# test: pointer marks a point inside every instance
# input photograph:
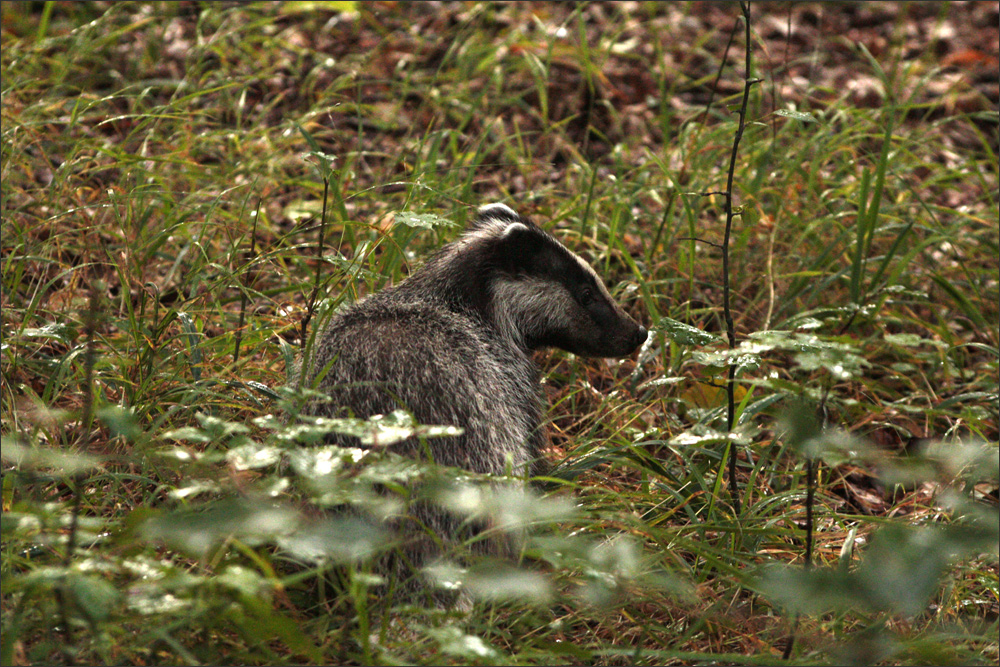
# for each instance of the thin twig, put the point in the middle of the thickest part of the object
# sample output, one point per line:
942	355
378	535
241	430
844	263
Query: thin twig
700	240
726	305
790	642
810	499
319	263
718	75
246	285
90	356
77	479
810	521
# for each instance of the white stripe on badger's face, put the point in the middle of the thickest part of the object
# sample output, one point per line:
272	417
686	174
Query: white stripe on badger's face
587	268
526	307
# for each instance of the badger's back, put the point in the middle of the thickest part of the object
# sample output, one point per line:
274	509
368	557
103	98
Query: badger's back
445	367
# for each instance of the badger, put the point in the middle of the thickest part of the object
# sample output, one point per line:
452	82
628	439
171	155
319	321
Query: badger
452	344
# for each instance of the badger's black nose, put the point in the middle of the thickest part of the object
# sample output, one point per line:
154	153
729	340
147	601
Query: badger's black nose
640	336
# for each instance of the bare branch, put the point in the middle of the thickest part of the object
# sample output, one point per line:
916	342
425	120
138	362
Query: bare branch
726	300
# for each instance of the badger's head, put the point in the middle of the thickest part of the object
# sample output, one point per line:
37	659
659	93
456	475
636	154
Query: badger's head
539	293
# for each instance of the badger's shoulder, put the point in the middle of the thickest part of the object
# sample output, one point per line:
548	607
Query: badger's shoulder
387	325
393	309
432	360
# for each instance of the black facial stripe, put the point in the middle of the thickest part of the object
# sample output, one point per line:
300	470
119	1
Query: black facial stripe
560	265
538	255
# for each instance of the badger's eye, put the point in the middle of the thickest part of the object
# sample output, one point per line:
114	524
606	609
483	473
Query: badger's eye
586	296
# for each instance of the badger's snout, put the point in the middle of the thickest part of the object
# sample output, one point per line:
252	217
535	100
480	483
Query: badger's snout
640	337
626	342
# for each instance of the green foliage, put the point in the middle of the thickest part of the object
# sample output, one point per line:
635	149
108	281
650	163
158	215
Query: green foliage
165	503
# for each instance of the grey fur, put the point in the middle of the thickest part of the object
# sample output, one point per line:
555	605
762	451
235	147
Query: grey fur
452	344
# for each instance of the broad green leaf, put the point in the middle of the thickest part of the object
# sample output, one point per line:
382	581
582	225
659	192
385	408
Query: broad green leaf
94	597
912	340
59	332
122	422
510	507
685	334
338	539
378	431
703	436
454	641
422	220
253	455
36	457
498	582
200	530
797	115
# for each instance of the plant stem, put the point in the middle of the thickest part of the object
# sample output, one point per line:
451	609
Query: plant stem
319	262
246	286
726	301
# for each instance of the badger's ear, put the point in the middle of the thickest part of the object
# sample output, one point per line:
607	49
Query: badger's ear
518	245
514	232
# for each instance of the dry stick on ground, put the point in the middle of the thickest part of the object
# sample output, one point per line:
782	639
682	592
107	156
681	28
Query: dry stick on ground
727	309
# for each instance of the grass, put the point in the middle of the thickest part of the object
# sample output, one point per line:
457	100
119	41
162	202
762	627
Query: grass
162	197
